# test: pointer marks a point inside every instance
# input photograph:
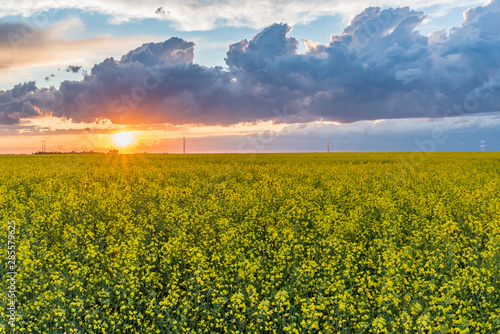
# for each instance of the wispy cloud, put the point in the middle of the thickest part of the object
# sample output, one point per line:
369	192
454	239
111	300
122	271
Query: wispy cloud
205	15
24	44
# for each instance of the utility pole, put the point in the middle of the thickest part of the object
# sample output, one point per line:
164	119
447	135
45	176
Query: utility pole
482	145
183	145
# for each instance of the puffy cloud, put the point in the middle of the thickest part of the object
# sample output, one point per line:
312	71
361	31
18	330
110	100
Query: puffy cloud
264	48
73	68
172	51
379	67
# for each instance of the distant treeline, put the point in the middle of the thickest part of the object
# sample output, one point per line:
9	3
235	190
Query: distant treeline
74	152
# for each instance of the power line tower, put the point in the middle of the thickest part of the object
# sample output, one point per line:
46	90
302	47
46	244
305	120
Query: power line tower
328	146
44	147
183	145
483	146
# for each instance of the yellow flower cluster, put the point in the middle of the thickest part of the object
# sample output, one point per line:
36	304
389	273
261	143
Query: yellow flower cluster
282	243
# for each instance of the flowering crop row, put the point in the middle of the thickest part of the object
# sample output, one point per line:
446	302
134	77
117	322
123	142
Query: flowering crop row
270	243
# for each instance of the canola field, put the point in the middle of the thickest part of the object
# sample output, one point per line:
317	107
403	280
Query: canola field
266	243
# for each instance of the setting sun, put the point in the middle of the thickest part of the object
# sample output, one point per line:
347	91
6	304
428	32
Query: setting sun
122	139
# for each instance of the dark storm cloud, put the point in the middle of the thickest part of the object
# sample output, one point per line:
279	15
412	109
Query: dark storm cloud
25	100
379	67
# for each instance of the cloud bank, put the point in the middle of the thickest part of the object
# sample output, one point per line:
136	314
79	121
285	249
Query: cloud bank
209	14
379	67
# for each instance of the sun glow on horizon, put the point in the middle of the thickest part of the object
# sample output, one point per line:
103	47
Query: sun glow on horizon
122	139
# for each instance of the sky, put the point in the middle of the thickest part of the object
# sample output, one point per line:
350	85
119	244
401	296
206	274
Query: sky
249	76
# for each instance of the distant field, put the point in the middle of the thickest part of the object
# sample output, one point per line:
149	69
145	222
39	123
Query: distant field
266	243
